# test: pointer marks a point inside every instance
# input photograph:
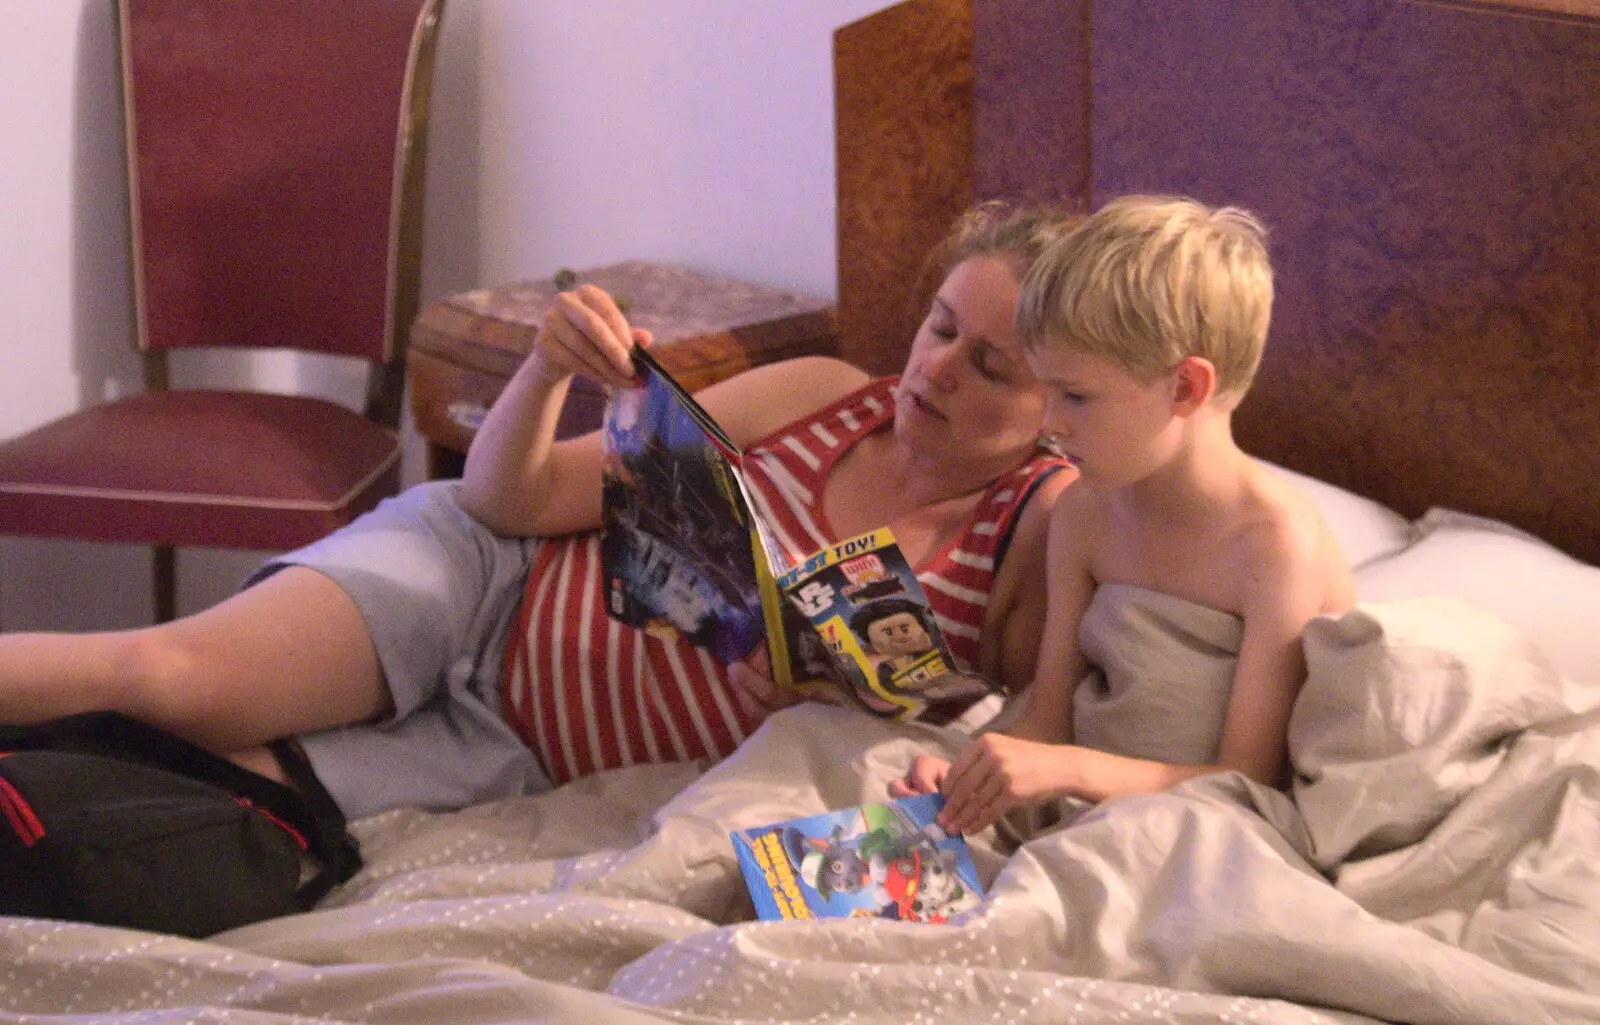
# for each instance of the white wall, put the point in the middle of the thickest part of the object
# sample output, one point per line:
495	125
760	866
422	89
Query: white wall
564	134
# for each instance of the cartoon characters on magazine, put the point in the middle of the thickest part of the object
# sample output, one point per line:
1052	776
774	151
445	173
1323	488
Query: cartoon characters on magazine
885	853
899	633
910	663
830	866
866	604
815	669
923	885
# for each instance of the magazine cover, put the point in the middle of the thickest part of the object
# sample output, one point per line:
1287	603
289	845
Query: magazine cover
884	860
680	550
872	616
683	553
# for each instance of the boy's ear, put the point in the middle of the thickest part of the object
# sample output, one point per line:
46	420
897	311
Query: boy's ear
1194	382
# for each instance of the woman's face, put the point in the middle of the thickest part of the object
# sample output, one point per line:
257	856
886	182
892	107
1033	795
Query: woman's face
967	391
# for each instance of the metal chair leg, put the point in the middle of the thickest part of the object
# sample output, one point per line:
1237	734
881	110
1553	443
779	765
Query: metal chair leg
164	566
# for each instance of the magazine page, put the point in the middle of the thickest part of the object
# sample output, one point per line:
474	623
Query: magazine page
680	551
873	619
885	860
818	673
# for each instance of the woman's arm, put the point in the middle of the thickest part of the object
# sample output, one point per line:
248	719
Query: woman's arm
520	481
1014	621
1047	709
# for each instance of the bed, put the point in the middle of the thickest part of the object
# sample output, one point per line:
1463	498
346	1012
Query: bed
1430	173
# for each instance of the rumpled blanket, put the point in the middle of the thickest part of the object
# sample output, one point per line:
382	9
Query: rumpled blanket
1434	861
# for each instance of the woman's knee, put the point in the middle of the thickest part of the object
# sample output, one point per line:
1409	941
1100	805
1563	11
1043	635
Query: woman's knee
158	675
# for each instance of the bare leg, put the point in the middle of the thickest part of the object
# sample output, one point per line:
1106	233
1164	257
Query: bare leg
291	654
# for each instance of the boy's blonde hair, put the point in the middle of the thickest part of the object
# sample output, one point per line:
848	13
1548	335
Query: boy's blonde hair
1150	280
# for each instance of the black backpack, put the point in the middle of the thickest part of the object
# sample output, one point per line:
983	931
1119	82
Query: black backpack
105	819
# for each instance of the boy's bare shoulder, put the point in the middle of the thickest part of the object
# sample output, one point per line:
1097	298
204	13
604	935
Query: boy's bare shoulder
1291	538
1290	514
1079	513
1080	538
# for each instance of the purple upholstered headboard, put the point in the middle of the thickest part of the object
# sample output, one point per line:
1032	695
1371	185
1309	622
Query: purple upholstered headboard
1429	171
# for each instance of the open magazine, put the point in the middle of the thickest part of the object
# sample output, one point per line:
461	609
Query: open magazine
887	860
685	551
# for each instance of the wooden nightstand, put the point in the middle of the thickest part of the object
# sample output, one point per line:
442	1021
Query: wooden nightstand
465	347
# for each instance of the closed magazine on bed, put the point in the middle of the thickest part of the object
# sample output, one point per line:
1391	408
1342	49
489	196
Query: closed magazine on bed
685	552
887	860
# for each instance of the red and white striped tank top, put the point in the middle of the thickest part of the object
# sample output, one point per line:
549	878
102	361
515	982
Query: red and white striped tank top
589	693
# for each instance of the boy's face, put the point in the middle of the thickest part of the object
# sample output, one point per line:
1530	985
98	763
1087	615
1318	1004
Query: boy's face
1114	427
899	634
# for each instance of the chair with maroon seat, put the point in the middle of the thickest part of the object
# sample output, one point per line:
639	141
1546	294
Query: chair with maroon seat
275	159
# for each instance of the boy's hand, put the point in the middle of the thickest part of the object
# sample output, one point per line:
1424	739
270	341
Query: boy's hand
925	776
995	774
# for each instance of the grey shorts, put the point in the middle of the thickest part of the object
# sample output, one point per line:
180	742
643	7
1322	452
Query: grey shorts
439	593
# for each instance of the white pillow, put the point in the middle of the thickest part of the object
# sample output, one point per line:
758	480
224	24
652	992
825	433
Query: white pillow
1366	529
1551	597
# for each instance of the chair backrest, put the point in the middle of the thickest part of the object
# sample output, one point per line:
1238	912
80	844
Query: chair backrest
276	154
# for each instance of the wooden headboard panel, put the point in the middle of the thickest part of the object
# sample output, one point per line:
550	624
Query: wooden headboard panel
1429	173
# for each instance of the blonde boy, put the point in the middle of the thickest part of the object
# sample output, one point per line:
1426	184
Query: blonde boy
1146	325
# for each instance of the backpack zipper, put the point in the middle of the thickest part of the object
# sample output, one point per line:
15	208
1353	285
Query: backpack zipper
276	820
24	822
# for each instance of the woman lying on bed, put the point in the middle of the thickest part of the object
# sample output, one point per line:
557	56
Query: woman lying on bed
452	646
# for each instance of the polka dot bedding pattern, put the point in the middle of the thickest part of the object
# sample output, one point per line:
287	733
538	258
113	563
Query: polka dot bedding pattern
1458	889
